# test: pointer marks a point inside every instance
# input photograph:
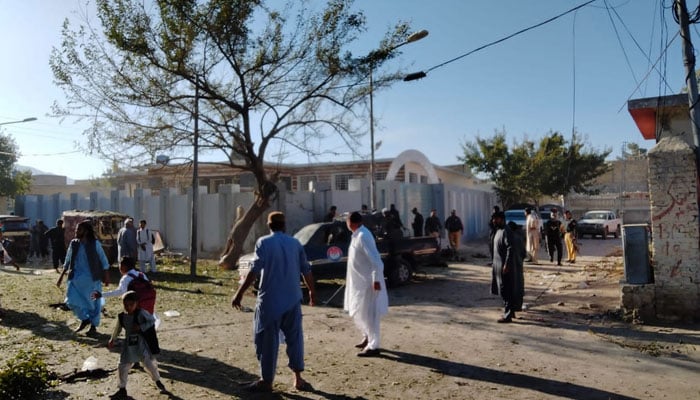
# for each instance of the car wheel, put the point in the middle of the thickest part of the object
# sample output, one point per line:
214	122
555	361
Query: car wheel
605	233
617	232
400	273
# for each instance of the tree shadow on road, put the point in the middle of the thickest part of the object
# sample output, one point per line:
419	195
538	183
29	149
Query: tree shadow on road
543	385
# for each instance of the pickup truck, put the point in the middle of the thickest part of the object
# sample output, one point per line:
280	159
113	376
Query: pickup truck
598	222
326	245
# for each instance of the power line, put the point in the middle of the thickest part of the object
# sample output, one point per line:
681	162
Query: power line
619	40
661	56
51	154
509	36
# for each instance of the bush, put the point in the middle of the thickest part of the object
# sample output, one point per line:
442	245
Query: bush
25	377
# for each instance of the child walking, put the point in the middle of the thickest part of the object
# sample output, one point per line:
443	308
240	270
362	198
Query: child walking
140	343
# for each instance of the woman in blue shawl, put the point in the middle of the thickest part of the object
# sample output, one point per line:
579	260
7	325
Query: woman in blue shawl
87	268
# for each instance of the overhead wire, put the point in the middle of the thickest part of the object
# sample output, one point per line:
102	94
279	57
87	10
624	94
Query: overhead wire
573	100
619	40
661	56
509	36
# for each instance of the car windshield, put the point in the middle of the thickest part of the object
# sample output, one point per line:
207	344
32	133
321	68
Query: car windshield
515	214
305	233
15	225
595	215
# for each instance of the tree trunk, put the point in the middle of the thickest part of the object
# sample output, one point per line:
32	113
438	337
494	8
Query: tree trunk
240	230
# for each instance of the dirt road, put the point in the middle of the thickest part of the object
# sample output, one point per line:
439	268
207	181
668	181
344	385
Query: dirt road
440	339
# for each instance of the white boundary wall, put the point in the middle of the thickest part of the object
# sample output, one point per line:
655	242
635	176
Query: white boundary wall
170	211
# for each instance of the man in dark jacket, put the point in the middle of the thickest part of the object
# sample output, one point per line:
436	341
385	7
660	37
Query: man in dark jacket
553	230
454	232
417	224
56	237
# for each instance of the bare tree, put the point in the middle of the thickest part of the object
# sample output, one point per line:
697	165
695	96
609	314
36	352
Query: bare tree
261	75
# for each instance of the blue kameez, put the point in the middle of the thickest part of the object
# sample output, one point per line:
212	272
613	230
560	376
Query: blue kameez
81	285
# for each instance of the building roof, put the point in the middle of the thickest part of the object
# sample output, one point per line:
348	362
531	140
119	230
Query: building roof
647	112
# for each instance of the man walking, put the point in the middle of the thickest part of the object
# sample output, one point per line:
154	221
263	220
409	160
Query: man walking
366	298
126	240
417	224
533	235
570	237
56	237
553	230
454	232
505	274
279	261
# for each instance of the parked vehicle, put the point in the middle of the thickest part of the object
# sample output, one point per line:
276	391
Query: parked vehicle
106	224
326	245
16	236
517	216
598	222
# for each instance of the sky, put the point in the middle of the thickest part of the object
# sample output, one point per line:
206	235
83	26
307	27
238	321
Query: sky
574	72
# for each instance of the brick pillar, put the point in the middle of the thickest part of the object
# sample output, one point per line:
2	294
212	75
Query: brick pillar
673	188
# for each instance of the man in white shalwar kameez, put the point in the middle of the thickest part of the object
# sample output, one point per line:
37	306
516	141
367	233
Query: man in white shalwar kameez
366	298
532	240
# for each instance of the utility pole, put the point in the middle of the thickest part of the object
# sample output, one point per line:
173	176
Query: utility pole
689	62
623	163
195	185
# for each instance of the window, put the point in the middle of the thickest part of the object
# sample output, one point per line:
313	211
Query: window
341	181
379	176
216	183
412	177
304	181
423	179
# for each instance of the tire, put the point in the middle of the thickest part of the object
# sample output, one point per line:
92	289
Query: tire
617	232
400	273
605	233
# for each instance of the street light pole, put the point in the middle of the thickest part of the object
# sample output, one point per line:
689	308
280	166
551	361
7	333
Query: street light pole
372	178
372	167
195	186
30	119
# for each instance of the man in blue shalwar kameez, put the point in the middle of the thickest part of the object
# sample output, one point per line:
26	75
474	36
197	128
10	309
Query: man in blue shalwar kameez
279	261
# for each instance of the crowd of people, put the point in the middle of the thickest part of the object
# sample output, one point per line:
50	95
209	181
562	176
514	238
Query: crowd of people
87	270
278	263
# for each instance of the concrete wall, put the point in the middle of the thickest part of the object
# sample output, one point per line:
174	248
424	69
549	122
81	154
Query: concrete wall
170	211
673	186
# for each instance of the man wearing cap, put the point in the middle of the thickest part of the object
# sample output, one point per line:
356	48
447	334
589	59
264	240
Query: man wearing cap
417	224
279	261
126	240
366	298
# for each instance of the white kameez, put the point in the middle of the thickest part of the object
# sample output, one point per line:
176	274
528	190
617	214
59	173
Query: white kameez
532	245
364	304
144	239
